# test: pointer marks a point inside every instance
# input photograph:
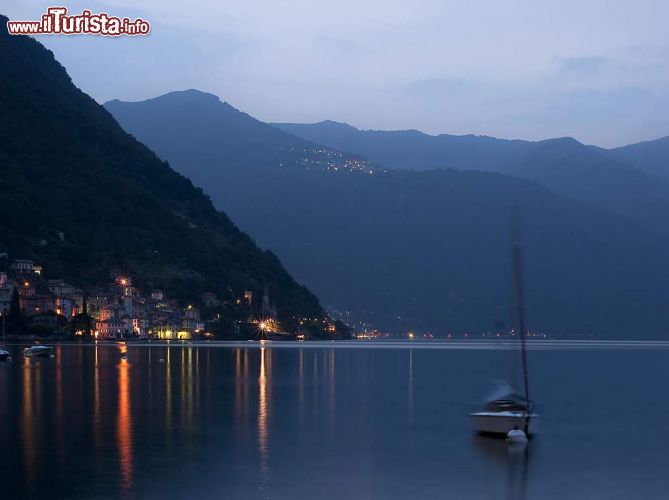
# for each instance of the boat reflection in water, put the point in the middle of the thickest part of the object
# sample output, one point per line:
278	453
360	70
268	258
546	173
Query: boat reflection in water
515	457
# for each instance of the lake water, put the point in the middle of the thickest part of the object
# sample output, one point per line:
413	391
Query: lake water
295	421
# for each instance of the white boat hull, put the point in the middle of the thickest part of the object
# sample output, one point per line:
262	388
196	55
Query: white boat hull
37	351
500	423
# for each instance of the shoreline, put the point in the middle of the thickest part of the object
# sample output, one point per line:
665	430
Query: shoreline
486	345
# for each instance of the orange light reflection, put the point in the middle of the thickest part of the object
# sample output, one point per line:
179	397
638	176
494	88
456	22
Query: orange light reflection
124	426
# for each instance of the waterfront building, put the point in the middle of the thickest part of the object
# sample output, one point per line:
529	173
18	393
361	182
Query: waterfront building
65	306
22	266
140	327
6	297
210	299
109	329
37	303
59	288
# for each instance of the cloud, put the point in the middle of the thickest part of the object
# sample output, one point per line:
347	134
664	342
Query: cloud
584	65
437	86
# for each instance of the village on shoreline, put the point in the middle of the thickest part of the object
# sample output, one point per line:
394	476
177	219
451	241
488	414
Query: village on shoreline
34	307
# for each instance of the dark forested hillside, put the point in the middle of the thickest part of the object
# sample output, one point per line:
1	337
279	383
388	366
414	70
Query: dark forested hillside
430	250
82	197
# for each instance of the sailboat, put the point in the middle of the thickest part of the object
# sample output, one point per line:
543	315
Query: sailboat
506	410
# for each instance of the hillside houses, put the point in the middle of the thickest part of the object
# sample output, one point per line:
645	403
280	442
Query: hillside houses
42	301
122	310
117	311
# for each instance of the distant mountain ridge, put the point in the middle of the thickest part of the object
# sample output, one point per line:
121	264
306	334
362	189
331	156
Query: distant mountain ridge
630	181
412	149
427	250
247	141
415	150
650	156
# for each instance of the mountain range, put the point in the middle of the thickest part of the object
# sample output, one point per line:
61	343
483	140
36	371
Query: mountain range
82	197
632	180
649	156
415	150
429	249
247	143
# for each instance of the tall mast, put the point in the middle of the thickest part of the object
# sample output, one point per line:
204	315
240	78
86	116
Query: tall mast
518	294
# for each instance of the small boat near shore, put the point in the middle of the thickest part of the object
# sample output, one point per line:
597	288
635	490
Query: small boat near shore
4	355
37	351
503	412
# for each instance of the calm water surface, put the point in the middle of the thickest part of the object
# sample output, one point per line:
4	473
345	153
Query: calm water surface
327	423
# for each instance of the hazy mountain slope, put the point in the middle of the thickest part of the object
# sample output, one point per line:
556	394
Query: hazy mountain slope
241	139
649	156
411	149
67	167
568	167
620	180
430	250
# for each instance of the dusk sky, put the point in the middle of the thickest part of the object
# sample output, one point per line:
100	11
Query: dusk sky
596	70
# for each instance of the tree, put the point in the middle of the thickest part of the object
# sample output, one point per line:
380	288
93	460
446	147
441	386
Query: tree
16	323
82	321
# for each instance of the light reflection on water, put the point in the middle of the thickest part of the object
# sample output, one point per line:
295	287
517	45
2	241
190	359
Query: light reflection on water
264	404
30	430
267	422
124	426
410	386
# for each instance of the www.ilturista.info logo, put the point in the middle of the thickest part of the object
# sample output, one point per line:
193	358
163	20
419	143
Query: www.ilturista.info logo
56	21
